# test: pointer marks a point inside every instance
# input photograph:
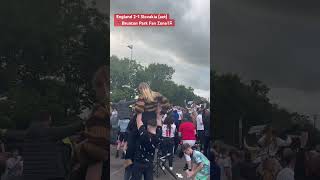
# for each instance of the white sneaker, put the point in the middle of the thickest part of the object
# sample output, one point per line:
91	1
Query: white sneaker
163	168
171	168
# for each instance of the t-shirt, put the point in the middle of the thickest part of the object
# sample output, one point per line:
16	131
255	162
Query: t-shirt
197	158
200	123
224	163
187	131
123	124
146	145
166	132
286	174
176	117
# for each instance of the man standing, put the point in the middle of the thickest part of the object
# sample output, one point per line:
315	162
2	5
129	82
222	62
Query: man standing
148	141
123	113
42	155
200	130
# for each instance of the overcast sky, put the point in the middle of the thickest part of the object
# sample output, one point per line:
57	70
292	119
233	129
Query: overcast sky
277	42
185	47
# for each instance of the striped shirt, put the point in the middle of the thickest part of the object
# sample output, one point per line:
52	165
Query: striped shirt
143	106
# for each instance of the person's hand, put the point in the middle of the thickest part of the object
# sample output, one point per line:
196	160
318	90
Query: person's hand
189	173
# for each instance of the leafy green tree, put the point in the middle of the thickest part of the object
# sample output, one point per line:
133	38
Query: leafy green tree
127	74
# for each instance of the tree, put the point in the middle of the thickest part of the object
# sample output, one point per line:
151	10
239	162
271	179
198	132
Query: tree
49	51
234	99
127	74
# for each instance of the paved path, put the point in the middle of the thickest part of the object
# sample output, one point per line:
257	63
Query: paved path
117	170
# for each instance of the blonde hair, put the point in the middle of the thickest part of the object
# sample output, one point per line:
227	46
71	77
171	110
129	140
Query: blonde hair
146	93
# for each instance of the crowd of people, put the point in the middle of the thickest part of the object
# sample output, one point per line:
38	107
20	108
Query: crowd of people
273	158
155	125
148	127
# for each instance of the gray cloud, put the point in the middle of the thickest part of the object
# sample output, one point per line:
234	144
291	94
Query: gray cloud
272	41
185	47
186	40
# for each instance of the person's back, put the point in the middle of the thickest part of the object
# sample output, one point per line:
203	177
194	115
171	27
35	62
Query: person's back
124	110
123	124
176	118
198	157
42	156
187	130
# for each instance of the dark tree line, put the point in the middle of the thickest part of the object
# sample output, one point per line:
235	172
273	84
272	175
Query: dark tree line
233	99
127	74
49	51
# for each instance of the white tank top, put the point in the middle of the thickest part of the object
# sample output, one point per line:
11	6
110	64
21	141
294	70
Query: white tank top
165	130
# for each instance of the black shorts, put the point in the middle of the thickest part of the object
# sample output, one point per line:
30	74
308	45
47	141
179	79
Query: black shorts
123	136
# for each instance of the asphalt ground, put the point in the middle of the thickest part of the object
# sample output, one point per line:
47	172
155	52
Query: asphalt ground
117	169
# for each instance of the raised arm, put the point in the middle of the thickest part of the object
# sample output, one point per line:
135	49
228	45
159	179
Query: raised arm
281	142
159	117
13	134
128	103
65	131
139	120
261	141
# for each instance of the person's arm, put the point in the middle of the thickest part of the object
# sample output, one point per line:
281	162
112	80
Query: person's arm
14	134
159	117
262	140
130	102
65	131
195	170
281	142
139	120
142	131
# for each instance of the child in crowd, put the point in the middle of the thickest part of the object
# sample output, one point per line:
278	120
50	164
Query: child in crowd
201	165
